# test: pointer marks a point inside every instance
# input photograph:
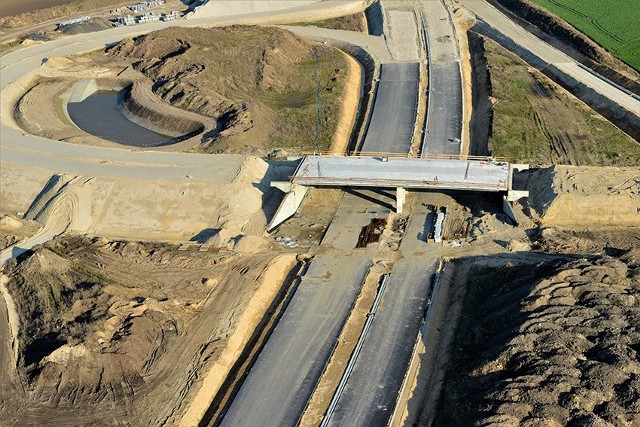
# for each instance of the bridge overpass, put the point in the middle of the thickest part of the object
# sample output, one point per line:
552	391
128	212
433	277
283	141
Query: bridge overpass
443	172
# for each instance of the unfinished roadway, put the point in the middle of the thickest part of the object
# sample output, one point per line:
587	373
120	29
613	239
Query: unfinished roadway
371	389
443	130
278	387
288	368
371	393
285	374
552	56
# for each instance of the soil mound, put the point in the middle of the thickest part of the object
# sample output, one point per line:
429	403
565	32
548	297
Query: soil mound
258	84
585	196
98	336
548	345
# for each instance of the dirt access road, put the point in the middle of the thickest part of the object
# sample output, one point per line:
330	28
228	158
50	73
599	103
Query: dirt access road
18	67
550	54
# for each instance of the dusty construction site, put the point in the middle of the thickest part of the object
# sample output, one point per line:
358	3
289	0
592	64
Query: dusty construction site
140	286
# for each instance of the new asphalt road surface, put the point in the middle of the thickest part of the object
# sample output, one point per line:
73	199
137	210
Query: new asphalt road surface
444	112
394	111
370	395
280	383
444	127
283	378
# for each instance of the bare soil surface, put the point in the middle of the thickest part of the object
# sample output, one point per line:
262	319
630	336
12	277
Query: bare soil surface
258	83
355	22
255	90
13	229
100	336
553	343
569	196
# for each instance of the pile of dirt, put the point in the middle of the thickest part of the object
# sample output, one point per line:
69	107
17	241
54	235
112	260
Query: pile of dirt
95	24
13	229
257	84
548	344
354	22
569	196
97	335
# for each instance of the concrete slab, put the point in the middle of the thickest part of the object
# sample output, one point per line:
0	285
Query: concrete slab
403	37
403	172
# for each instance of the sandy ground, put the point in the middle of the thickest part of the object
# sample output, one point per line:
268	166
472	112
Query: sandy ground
163	209
15	7
239	7
186	297
350	105
569	196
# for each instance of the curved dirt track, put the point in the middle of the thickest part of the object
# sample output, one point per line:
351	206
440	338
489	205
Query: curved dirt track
17	147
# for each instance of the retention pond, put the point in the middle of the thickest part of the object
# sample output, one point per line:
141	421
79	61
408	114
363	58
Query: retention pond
100	115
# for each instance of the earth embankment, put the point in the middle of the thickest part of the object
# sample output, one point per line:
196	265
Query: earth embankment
259	85
99	336
553	343
140	105
568	196
567	38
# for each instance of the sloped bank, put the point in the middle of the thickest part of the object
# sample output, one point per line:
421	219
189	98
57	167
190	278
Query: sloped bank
553	343
569	196
137	103
43	110
565	37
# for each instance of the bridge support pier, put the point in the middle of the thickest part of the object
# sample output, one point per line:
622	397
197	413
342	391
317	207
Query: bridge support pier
401	194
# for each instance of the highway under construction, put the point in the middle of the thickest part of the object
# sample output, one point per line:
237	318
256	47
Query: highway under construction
338	344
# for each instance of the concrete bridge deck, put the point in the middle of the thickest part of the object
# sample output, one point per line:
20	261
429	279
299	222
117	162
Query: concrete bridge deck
416	173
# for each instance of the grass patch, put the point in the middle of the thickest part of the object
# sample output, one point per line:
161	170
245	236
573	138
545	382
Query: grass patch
536	121
611	23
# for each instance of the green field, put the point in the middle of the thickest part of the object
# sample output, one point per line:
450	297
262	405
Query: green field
614	24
